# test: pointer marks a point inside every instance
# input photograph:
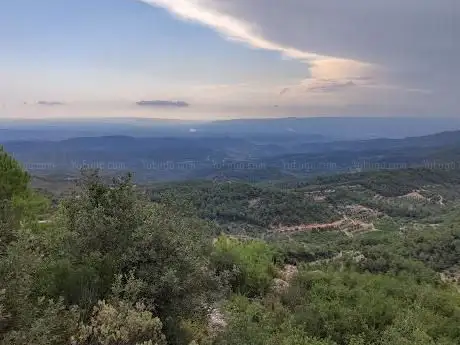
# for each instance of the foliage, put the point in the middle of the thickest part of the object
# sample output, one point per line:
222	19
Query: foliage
52	323
110	267
229	202
13	179
249	264
105	229
121	320
258	323
13	188
341	304
171	255
347	308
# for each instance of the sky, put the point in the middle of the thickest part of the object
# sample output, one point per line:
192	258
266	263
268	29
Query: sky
229	58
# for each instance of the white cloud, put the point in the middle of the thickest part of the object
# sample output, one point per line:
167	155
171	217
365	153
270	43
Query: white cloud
403	53
232	28
207	13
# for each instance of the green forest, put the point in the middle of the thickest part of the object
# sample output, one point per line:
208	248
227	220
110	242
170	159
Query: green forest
114	263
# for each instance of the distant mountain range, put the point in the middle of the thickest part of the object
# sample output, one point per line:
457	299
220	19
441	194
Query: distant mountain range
257	157
337	128
315	128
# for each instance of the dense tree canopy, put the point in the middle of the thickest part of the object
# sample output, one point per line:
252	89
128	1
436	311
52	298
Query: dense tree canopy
108	266
13	179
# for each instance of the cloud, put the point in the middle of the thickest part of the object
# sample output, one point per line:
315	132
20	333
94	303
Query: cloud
163	104
322	85
206	13
48	103
284	91
384	46
211	14
330	85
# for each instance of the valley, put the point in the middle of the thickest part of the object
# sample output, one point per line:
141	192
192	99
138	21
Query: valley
237	251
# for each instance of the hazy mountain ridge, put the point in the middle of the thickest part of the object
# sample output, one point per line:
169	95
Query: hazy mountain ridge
225	157
329	128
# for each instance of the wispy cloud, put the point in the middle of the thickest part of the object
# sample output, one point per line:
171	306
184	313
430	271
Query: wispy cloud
229	26
329	85
324	85
50	103
284	91
239	30
163	104
359	52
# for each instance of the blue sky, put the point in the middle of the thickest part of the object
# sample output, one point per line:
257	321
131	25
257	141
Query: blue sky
227	58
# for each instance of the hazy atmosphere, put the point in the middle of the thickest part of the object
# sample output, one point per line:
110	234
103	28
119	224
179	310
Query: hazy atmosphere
229	172
229	59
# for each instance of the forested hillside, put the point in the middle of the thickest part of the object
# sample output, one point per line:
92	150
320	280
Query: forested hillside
246	158
211	263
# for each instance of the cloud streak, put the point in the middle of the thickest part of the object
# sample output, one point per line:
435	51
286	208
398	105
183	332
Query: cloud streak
230	27
235	29
163	104
50	104
358	52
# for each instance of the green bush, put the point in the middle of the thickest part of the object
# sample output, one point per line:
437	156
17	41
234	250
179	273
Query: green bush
250	264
